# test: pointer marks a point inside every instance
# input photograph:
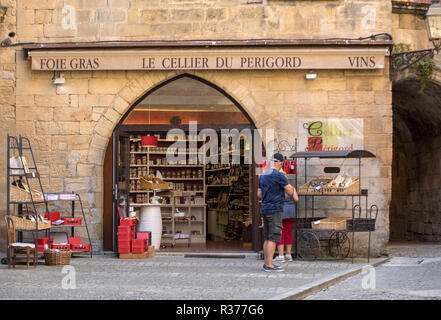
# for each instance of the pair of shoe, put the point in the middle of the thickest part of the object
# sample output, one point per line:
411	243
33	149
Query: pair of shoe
285	258
273	269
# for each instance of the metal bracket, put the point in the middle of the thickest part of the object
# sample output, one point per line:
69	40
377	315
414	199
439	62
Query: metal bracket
404	60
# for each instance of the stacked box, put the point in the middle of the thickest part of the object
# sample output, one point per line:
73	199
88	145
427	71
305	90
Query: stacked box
138	245
124	238
72	221
42	242
146	236
76	244
60	246
55	216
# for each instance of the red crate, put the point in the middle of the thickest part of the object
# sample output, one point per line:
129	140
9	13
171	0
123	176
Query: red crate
123	250
72	221
55	216
138	243
80	247
124	228
146	236
128	222
124	236
125	243
60	246
138	250
42	242
75	240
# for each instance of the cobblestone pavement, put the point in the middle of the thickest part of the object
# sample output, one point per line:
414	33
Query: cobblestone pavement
413	273
164	277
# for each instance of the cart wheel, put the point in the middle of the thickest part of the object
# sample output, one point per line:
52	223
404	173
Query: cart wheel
4	261
339	245
309	245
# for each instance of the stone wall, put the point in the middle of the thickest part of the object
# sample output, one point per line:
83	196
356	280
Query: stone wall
7	102
70	125
80	20
409	24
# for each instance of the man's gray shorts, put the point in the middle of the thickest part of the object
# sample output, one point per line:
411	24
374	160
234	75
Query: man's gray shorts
272	226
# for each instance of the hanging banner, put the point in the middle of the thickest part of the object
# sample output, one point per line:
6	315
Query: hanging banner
330	134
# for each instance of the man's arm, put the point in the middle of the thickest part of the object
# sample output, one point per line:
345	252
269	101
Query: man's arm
259	193
289	189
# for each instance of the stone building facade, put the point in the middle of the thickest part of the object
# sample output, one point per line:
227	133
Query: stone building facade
70	125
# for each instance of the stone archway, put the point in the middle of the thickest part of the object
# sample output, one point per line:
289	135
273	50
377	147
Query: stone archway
416	174
133	92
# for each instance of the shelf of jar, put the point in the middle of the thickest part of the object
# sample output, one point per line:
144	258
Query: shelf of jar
182	221
169	140
169	165
184	193
193	179
133	204
164	152
217	169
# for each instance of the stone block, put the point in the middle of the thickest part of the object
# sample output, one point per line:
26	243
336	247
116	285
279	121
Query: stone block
39	4
73	114
56	31
86	170
51	100
32	86
43	16
70	142
86	128
36	113
79	184
57	128
105	86
24	100
73	86
216	14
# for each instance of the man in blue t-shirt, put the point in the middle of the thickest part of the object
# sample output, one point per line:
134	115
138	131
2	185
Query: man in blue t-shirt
272	187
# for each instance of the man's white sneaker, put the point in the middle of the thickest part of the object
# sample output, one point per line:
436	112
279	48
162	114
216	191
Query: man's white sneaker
288	257
279	259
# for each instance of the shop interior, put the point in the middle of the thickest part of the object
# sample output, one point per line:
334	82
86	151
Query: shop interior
214	211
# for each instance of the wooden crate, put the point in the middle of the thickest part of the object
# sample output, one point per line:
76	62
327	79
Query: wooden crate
150	251
353	188
306	189
133	255
332	223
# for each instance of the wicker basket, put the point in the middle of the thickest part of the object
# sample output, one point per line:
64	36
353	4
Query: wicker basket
17	194
332	223
24	224
152	182
307	189
353	188
54	257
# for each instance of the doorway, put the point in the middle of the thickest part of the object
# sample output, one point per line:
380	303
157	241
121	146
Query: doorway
416	170
188	115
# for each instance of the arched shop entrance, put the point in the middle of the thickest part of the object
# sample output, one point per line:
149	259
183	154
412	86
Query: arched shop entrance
221	213
416	172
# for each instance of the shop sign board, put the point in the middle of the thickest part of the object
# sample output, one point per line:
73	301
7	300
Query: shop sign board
330	134
245	59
